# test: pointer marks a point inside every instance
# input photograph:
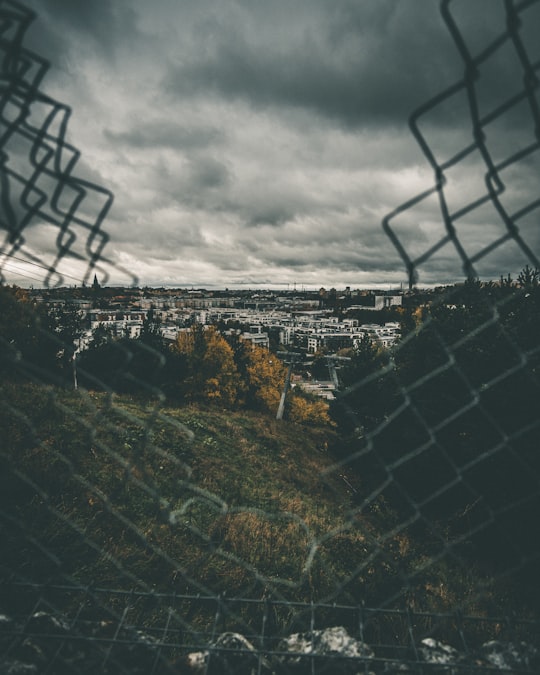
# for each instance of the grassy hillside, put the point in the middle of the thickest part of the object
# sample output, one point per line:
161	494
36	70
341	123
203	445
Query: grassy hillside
116	493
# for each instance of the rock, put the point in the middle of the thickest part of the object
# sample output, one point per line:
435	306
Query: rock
400	668
126	646
195	662
333	648
44	623
433	651
13	667
22	654
230	654
7	631
328	641
511	656
46	643
49	640
438	653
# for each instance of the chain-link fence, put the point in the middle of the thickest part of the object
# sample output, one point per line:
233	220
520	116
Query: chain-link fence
143	536
39	171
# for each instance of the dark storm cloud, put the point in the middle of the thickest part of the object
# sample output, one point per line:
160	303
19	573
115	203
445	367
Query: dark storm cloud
254	136
62	23
95	17
334	72
200	181
359	63
167	134
169	239
208	173
273	214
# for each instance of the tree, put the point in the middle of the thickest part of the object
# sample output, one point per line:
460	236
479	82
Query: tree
105	362
65	327
265	379
151	332
319	368
370	394
136	366
26	344
212	374
459	400
528	277
220	371
306	409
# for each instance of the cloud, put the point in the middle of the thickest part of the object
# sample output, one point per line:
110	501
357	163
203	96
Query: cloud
62	24
163	133
351	65
248	140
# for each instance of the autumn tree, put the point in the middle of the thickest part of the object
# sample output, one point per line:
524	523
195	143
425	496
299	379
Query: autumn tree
265	378
308	409
212	372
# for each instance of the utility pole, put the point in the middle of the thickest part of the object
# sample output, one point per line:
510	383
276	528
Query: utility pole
74	364
291	358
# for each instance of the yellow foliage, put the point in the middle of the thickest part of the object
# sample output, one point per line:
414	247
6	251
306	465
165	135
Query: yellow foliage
22	295
266	376
309	411
419	315
214	375
185	341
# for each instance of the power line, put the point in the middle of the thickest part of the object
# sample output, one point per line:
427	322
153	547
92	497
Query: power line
44	267
21	274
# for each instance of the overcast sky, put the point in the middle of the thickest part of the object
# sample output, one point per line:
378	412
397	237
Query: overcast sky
262	142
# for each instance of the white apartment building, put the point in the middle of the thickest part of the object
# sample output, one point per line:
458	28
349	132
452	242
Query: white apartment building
333	340
121	323
257	339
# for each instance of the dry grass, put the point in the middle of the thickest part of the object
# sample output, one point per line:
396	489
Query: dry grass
116	492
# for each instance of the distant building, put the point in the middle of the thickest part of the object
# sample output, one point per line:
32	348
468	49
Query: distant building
383	301
257	339
323	389
378	302
121	323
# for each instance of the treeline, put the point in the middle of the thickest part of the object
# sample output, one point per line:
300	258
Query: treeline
202	365
35	341
445	428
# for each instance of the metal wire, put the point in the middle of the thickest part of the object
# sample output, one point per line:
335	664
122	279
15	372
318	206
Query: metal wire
30	119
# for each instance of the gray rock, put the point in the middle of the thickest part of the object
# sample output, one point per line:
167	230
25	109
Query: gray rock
14	667
331	648
7	630
43	622
433	651
230	654
511	656
195	662
400	668
449	659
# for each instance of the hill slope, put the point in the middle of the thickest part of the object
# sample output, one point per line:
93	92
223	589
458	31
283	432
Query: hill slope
113	493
